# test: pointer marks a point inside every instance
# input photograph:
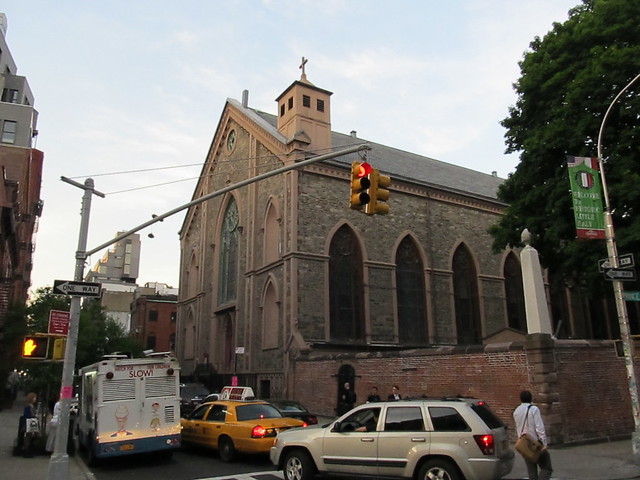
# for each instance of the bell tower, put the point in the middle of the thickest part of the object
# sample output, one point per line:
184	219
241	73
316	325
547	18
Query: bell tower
304	114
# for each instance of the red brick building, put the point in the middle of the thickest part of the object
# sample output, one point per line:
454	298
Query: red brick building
153	321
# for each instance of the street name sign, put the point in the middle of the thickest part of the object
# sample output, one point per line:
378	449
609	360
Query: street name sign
624	261
631	296
622	274
80	289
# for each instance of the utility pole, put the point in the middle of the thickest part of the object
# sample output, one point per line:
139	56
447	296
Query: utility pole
59	463
621	306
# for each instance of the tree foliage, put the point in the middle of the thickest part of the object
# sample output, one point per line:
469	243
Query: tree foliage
568	80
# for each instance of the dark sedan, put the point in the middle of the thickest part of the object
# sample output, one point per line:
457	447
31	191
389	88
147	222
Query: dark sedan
293	409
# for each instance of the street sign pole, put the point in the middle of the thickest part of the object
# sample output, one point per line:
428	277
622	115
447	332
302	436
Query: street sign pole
621	306
59	462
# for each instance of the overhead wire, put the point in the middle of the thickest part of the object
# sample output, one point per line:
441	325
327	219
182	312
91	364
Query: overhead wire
170	167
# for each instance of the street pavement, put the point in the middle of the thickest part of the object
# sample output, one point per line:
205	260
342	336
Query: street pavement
596	461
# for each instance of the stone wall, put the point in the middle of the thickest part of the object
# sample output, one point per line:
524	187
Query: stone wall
580	385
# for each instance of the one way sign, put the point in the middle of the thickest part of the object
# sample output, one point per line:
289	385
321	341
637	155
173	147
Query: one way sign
80	289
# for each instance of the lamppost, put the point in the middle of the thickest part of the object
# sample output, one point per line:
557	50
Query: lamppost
621	306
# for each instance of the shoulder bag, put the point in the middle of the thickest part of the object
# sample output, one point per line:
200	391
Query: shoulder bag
527	446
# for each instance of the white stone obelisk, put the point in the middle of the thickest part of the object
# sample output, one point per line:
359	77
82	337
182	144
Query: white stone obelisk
538	319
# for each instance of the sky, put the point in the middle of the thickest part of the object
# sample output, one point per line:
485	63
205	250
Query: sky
129	93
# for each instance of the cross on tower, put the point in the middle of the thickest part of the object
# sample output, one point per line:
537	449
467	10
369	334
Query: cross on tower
304	62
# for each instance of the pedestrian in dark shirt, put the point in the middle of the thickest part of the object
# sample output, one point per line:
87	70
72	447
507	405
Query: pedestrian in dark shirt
347	399
395	393
373	396
28	437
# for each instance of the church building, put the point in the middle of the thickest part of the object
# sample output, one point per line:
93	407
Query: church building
283	267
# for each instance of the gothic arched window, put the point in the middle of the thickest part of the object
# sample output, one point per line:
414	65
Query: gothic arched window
228	276
465	292
410	292
514	292
271	235
270	317
345	287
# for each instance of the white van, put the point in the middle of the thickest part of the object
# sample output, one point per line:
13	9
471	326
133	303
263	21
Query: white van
128	406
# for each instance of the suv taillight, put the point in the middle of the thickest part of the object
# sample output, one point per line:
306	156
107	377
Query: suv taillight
486	444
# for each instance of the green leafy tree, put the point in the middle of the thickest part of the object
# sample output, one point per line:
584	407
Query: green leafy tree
568	80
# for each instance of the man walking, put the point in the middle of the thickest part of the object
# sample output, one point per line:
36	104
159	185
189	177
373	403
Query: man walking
528	420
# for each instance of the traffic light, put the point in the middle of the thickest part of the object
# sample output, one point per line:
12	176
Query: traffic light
59	345
35	347
360	183
378	194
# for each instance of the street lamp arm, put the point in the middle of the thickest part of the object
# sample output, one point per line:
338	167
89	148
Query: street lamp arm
604	119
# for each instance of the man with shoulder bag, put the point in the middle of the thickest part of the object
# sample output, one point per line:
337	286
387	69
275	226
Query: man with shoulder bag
532	438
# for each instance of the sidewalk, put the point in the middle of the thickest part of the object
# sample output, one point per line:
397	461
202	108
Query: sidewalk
596	461
37	467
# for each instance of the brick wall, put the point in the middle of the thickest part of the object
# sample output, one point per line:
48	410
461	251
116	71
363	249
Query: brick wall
580	385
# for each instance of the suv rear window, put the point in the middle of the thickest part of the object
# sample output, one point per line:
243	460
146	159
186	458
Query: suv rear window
404	419
447	419
485	413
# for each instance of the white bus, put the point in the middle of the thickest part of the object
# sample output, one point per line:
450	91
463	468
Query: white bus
128	406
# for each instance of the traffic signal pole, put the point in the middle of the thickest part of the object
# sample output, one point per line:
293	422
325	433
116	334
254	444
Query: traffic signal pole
621	306
59	462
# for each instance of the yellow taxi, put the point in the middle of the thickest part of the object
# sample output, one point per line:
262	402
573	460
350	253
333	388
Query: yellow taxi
235	423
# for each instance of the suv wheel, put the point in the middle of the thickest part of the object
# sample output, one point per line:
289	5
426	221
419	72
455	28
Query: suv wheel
298	465
438	469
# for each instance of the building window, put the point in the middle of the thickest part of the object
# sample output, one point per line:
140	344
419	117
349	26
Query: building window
270	318
346	287
172	342
174	316
320	105
271	235
10	95
151	342
410	291
290	103
153	316
9	131
465	293
306	101
282	110
228	273
514	292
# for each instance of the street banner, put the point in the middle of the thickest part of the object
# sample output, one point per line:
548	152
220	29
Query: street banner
586	192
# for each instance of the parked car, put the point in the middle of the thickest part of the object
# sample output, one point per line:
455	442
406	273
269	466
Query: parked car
212	397
191	395
293	409
422	439
236	424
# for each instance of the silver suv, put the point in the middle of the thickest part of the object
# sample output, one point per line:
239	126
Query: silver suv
448	439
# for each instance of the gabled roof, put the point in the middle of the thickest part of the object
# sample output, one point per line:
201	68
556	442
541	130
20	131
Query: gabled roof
403	165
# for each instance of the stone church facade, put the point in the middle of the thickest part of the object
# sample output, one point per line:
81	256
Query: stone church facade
283	267
284	288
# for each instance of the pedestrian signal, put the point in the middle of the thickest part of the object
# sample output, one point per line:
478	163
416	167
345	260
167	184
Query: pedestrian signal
35	347
59	346
379	194
360	183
